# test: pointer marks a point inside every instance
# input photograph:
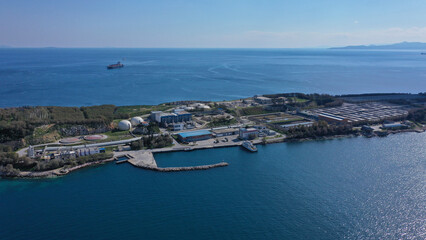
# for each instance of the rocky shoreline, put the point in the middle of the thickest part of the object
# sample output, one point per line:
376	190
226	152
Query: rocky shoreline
56	172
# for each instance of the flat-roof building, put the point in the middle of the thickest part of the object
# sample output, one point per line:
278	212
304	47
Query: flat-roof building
225	132
194	136
330	118
292	125
176	117
248	133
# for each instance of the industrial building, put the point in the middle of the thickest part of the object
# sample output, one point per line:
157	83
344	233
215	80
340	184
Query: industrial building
248	133
361	112
225	132
177	126
194	136
298	124
330	118
179	115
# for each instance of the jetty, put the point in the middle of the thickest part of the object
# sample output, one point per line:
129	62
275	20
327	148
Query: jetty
145	159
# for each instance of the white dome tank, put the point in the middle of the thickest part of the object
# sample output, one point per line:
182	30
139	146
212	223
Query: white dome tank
136	121
124	125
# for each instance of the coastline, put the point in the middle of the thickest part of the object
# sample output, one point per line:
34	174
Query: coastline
59	173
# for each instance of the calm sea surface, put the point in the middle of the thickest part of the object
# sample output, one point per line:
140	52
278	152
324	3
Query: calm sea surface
76	77
354	188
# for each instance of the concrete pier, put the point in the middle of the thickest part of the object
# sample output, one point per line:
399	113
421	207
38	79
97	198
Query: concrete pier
145	159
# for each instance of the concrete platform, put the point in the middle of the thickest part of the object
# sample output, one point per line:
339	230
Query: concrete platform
144	159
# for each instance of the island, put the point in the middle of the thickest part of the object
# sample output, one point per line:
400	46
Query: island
51	141
395	46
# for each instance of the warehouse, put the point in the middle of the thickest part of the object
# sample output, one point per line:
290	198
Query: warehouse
225	132
194	136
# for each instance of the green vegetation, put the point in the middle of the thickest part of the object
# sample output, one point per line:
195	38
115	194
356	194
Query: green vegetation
302	100
417	115
319	129
19	123
151	142
105	112
297	100
253	111
222	121
115	135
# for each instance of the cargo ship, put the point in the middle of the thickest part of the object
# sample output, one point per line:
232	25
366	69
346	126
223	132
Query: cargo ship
249	146
114	66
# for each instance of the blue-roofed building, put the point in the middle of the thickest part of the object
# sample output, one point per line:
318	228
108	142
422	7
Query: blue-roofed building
194	136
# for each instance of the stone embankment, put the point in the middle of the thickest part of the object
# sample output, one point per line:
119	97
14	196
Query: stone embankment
59	171
180	169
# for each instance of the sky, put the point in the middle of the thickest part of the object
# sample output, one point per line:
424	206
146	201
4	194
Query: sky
210	24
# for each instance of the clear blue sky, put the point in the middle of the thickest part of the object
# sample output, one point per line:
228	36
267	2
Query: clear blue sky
214	23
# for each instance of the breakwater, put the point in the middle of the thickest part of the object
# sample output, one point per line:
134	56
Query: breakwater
146	160
180	169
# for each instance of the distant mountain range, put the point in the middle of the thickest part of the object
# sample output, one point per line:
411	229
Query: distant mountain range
402	46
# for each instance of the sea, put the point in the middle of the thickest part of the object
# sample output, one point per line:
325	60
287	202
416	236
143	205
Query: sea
348	188
351	188
79	77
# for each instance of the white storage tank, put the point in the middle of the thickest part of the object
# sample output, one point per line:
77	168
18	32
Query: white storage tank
124	125
136	121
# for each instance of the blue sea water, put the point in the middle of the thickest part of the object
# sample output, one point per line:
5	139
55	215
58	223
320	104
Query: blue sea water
353	188
76	77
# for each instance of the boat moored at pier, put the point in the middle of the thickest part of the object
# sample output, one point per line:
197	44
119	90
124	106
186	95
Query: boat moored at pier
249	146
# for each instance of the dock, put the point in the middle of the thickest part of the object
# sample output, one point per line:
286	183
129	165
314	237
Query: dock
145	159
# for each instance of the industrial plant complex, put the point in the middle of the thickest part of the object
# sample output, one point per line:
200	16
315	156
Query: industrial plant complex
261	119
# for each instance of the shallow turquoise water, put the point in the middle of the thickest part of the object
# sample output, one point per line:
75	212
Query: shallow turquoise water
76	77
353	188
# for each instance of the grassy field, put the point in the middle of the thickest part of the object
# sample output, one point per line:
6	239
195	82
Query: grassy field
298	100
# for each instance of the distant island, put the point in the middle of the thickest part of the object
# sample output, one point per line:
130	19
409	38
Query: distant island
395	46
